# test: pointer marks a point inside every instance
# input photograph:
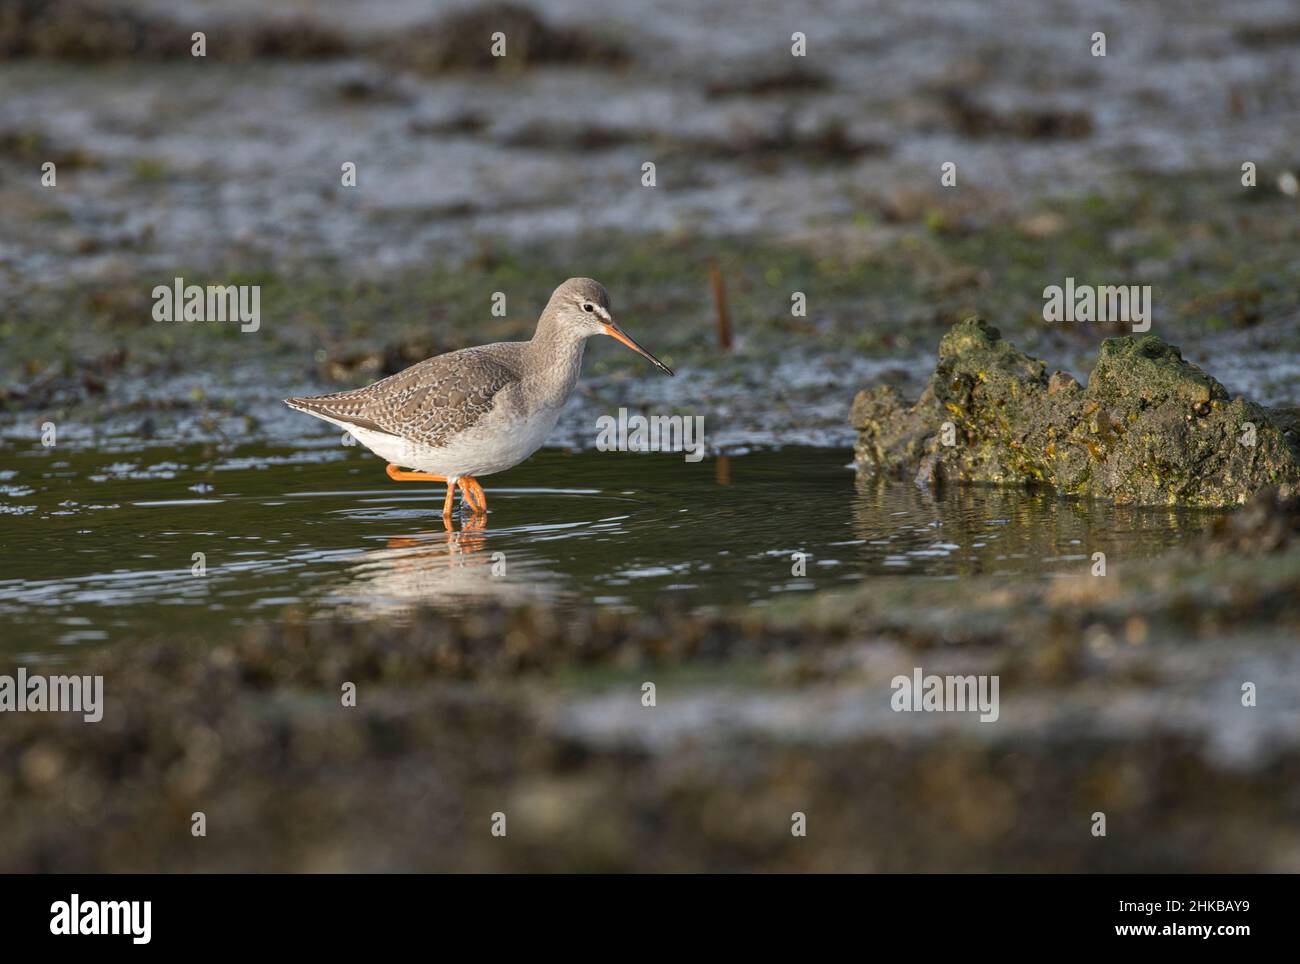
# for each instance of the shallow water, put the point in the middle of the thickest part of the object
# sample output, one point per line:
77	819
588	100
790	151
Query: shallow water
100	549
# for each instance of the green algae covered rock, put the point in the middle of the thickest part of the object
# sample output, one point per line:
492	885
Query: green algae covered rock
1149	428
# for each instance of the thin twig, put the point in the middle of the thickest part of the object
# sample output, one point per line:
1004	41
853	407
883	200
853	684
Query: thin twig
720	303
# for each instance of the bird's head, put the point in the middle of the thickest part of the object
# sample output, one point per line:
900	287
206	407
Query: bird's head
581	305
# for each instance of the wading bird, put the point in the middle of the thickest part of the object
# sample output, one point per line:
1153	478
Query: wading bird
454	417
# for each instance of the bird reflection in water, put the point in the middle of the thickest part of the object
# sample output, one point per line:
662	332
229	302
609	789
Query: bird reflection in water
448	569
471	538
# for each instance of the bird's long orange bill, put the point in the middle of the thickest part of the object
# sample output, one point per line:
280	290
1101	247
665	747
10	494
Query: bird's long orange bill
617	333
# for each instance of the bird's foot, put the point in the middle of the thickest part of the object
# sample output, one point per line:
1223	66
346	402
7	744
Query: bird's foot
474	495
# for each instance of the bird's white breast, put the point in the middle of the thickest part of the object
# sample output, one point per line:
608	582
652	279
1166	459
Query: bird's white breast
501	440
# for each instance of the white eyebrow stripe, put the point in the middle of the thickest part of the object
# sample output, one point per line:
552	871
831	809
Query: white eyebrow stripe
603	313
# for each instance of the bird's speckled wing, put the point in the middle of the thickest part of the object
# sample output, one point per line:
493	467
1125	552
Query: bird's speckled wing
430	402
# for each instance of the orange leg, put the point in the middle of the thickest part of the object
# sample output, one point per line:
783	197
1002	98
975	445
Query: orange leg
474	495
397	475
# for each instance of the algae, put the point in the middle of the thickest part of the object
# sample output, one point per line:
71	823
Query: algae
1148	429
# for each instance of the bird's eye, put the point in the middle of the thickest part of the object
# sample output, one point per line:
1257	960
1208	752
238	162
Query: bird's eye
587	307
